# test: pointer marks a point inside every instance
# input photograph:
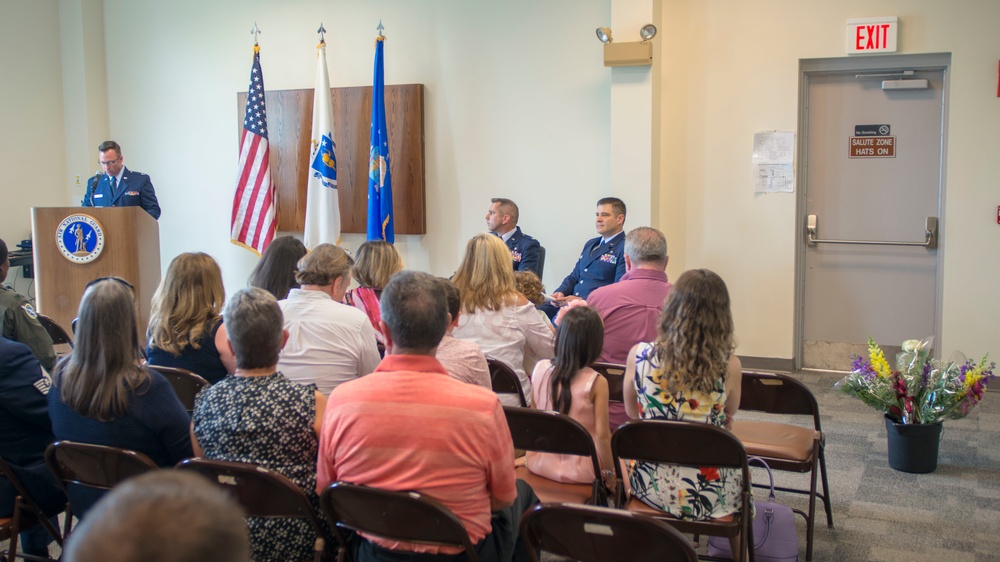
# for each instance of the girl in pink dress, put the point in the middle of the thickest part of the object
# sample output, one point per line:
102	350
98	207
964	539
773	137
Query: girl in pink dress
566	384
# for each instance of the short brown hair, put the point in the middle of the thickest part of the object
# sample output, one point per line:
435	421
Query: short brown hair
507	207
323	265
617	205
110	145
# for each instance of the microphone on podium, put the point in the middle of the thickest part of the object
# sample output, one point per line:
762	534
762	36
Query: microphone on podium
88	197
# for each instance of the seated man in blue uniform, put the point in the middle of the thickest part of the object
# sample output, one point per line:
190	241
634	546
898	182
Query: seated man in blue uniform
501	219
118	186
25	432
602	260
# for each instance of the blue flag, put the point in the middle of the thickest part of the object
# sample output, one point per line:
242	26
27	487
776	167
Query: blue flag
380	223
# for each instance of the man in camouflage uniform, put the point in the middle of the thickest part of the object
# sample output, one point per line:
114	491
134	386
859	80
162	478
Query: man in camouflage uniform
20	321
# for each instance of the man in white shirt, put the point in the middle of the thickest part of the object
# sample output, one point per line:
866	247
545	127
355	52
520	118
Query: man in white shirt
328	342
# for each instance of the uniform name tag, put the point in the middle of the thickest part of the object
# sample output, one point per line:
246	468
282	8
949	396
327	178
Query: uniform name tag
98	195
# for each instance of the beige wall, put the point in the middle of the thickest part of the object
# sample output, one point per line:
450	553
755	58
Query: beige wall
32	154
517	104
731	68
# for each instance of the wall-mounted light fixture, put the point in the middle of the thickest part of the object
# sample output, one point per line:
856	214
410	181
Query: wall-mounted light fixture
636	53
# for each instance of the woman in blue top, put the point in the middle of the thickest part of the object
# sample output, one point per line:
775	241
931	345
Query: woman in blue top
103	393
185	323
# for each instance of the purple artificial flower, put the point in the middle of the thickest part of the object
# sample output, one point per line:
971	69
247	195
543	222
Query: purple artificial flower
863	368
926	375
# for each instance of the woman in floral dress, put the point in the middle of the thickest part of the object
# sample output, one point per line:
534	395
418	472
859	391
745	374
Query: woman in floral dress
690	374
258	416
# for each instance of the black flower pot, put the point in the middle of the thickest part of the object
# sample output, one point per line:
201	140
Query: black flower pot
913	447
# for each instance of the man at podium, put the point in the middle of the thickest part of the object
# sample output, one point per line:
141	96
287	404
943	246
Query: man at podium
118	186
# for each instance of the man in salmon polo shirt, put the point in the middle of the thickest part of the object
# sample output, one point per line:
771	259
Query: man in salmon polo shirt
409	426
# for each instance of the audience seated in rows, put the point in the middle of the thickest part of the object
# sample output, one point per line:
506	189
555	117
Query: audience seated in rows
25	432
410	426
258	416
328	342
185	324
377	261
689	373
103	393
567	385
631	307
162	516
275	272
463	359
494	314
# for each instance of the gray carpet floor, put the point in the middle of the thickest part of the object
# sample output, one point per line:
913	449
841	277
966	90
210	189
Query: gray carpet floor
952	514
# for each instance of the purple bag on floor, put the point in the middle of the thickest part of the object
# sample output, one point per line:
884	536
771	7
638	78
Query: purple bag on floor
774	535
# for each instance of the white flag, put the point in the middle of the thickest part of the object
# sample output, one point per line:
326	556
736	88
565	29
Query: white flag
322	202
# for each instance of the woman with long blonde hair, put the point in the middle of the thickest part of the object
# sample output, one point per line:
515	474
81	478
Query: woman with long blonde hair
102	393
689	373
494	314
185	323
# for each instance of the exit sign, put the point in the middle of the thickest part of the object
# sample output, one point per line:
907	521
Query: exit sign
872	35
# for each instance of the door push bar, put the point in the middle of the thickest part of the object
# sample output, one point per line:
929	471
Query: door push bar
930	236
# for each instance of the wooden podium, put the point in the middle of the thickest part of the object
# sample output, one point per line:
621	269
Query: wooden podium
131	250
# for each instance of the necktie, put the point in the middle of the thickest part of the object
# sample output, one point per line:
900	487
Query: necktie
114	181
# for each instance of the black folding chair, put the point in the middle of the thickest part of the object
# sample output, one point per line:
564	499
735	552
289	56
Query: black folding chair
504	380
399	516
687	444
186	384
598	534
56	332
552	432
26	514
261	492
783	446
94	466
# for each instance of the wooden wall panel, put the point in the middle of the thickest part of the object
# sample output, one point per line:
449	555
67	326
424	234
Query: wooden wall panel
289	133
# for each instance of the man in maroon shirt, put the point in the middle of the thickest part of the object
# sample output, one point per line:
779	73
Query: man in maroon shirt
631	307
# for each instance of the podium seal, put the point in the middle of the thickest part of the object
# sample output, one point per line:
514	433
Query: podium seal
80	238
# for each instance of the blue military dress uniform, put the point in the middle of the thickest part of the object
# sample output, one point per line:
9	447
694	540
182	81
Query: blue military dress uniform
601	263
524	250
25	429
136	190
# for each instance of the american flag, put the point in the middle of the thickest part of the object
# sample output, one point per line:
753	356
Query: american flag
253	206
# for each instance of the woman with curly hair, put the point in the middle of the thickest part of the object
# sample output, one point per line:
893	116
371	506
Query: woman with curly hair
185	323
494	314
689	373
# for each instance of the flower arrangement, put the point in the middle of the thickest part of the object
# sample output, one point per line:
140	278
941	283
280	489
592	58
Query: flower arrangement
919	390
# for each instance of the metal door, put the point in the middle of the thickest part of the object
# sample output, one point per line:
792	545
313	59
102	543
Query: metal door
869	253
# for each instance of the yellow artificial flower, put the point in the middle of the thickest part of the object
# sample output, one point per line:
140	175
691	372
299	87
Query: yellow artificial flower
972	378
879	364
